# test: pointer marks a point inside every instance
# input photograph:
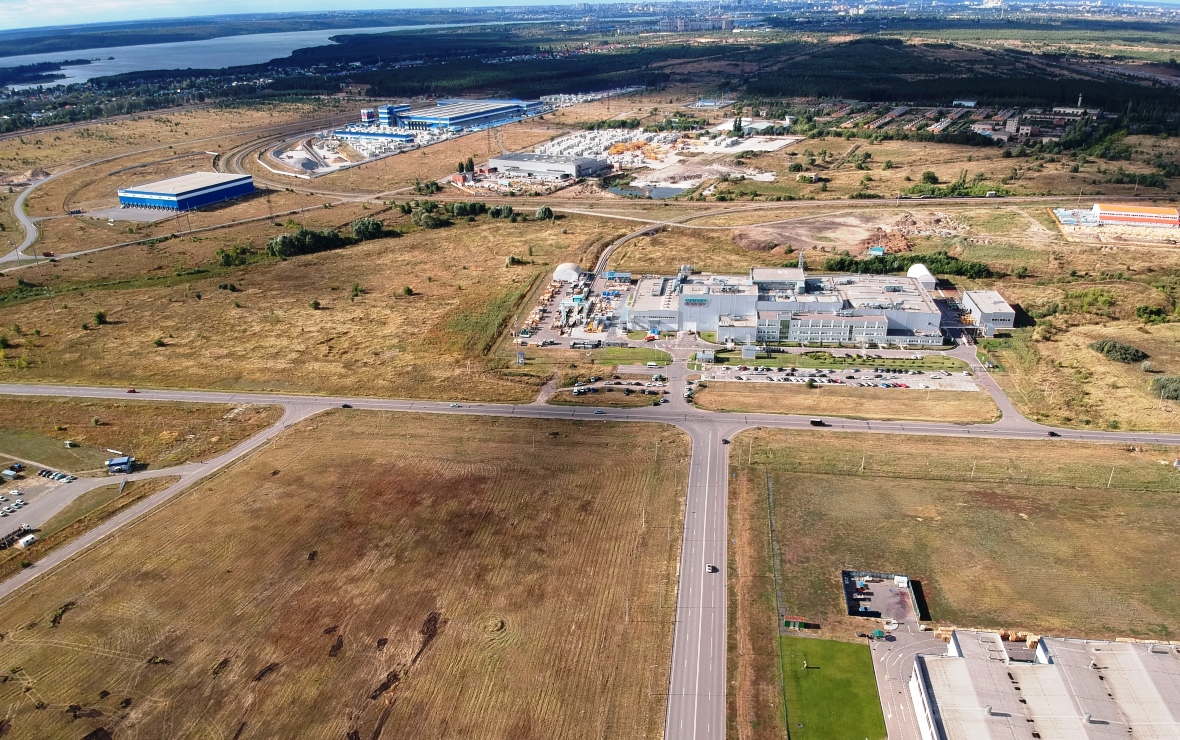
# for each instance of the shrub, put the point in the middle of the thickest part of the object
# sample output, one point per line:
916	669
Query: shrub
158	342
1151	314
544	213
100	318
1118	351
407	291
1167	387
315	305
367	228
304	241
929	177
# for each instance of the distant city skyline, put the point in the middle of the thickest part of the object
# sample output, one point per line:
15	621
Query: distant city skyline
32	14
19	14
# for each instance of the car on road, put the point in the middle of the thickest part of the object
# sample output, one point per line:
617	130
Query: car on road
1054	434
710	568
598	411
132	390
346	405
454	405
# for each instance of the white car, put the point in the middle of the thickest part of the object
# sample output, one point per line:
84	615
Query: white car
710	568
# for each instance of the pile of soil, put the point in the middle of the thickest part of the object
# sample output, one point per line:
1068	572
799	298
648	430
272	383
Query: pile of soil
893	241
756	239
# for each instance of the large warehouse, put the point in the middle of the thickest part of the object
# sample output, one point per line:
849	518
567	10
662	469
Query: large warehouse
546	166
187	192
989	310
1119	215
458	115
988	688
783	304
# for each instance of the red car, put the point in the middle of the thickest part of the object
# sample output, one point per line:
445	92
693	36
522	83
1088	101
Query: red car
132	390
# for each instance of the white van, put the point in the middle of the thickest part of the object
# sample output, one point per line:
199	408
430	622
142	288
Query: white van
27	540
653	364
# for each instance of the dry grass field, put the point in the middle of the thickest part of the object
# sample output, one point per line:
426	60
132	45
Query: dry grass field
157	434
266	336
99	139
490	579
898	404
78	517
1066	382
606	397
707	251
909	159
1033	539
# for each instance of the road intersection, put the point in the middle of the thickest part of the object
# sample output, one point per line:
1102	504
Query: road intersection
696	691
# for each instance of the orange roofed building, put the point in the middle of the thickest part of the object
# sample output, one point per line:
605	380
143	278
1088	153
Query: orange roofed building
1109	215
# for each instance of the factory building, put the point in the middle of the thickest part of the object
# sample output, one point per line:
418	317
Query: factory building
987	688
546	166
387	114
458	115
361	135
187	192
368	116
1111	215
989	310
783	304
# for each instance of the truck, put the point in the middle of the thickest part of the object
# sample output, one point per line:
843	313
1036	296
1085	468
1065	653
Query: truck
818	423
9	474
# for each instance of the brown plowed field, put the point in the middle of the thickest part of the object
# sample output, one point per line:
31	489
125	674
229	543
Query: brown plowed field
374	575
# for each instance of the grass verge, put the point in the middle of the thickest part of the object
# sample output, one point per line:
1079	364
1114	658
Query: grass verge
962	407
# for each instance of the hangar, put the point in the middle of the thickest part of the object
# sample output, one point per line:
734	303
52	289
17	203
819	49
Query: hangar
546	166
187	192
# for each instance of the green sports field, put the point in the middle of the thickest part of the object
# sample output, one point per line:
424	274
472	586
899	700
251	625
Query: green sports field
835	696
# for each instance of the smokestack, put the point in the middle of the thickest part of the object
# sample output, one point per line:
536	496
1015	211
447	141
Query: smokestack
1079	100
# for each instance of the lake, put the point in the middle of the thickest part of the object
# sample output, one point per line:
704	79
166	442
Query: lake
228	51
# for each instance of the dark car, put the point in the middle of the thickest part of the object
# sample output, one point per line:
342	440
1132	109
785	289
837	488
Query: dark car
346	405
1054	434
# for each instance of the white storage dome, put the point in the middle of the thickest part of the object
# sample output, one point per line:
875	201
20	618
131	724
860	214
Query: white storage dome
567	272
925	278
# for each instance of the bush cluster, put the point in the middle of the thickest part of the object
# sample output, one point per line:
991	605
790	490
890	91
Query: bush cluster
1118	351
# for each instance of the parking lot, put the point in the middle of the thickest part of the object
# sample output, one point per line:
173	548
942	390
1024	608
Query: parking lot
29	490
863	377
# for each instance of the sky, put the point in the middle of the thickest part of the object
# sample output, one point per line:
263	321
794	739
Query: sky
34	13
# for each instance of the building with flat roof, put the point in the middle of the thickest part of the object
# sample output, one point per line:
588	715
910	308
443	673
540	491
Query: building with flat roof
987	688
458	115
989	311
187	192
1136	215
546	166
784	304
348	134
387	114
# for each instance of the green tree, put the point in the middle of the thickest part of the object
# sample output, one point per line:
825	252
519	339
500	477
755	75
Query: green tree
930	177
100	317
737	126
470	164
544	213
367	228
407	291
315	305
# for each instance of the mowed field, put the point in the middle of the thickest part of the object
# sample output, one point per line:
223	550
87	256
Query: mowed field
374	575
1001	534
908	404
156	434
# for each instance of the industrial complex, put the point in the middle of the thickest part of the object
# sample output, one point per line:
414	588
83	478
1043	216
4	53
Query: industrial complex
1047	687
187	192
784	305
546	166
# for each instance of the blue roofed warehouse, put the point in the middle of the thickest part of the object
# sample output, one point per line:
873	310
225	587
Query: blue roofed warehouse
187	192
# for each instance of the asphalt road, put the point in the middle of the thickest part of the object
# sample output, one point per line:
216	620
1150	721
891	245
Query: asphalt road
696	691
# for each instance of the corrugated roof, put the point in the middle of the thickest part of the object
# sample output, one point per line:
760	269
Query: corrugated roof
186	183
1140	210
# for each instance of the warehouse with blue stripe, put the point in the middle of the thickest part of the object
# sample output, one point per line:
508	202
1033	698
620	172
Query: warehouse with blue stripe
186	192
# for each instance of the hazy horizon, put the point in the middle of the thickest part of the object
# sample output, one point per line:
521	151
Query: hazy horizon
16	14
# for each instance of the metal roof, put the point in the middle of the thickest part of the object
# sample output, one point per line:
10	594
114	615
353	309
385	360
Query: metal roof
185	184
1087	689
989	301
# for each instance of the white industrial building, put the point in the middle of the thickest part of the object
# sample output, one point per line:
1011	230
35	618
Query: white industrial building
783	304
567	272
546	166
988	688
989	310
922	274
